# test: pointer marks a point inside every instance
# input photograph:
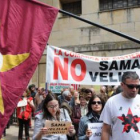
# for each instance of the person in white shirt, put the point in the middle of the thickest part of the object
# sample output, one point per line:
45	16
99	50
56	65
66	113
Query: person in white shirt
121	114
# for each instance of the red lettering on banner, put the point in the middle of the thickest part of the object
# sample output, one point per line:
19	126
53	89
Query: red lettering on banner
58	66
83	70
71	54
57	52
96	59
66	54
105	58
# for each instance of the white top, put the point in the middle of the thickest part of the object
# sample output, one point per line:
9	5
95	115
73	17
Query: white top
124	117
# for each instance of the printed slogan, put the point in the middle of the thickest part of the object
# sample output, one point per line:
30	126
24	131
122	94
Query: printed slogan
68	67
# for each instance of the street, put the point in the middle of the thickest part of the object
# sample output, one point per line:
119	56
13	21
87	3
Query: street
12	132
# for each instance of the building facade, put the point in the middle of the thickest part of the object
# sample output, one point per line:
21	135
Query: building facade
78	36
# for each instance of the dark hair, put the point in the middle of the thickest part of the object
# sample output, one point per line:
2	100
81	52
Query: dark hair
118	89
82	89
129	75
46	113
31	86
28	92
88	91
82	93
90	103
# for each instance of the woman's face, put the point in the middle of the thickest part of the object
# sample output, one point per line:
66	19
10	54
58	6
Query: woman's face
53	107
96	105
76	94
25	94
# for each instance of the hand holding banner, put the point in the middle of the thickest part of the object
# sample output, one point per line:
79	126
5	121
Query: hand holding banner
56	127
96	129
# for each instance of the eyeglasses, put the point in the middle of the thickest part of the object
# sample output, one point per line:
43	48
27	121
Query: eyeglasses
131	86
52	106
96	102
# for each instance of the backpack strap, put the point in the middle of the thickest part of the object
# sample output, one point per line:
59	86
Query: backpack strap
64	113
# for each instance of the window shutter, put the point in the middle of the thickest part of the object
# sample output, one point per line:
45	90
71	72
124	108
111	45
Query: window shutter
72	7
117	4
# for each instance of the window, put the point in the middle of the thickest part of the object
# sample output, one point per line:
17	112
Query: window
72	6
117	4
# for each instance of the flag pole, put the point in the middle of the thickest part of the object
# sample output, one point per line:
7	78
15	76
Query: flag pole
94	24
102	27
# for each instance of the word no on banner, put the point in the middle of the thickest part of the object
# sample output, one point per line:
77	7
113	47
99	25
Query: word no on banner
68	67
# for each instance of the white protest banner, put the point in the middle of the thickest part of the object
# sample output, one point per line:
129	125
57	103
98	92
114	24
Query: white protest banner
96	129
68	67
56	127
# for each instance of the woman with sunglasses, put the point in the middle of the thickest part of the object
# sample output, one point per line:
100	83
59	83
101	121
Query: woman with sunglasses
95	106
52	112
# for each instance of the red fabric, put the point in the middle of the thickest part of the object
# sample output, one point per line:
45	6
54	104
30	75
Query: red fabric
25	27
27	113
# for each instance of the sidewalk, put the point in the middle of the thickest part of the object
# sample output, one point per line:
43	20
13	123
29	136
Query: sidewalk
12	132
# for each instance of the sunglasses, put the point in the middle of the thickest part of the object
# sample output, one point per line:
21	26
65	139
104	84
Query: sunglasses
131	86
98	102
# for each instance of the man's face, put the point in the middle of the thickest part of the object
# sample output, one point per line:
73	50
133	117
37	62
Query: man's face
83	101
44	94
40	91
89	95
68	98
130	88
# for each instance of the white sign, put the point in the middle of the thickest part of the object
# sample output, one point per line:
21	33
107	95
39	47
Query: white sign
22	103
96	129
68	67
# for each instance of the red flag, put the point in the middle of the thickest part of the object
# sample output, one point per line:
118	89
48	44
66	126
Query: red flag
25	27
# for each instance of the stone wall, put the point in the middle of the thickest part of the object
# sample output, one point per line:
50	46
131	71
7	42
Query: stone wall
77	36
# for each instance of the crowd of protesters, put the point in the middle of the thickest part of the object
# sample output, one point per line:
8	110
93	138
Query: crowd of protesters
75	102
80	107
